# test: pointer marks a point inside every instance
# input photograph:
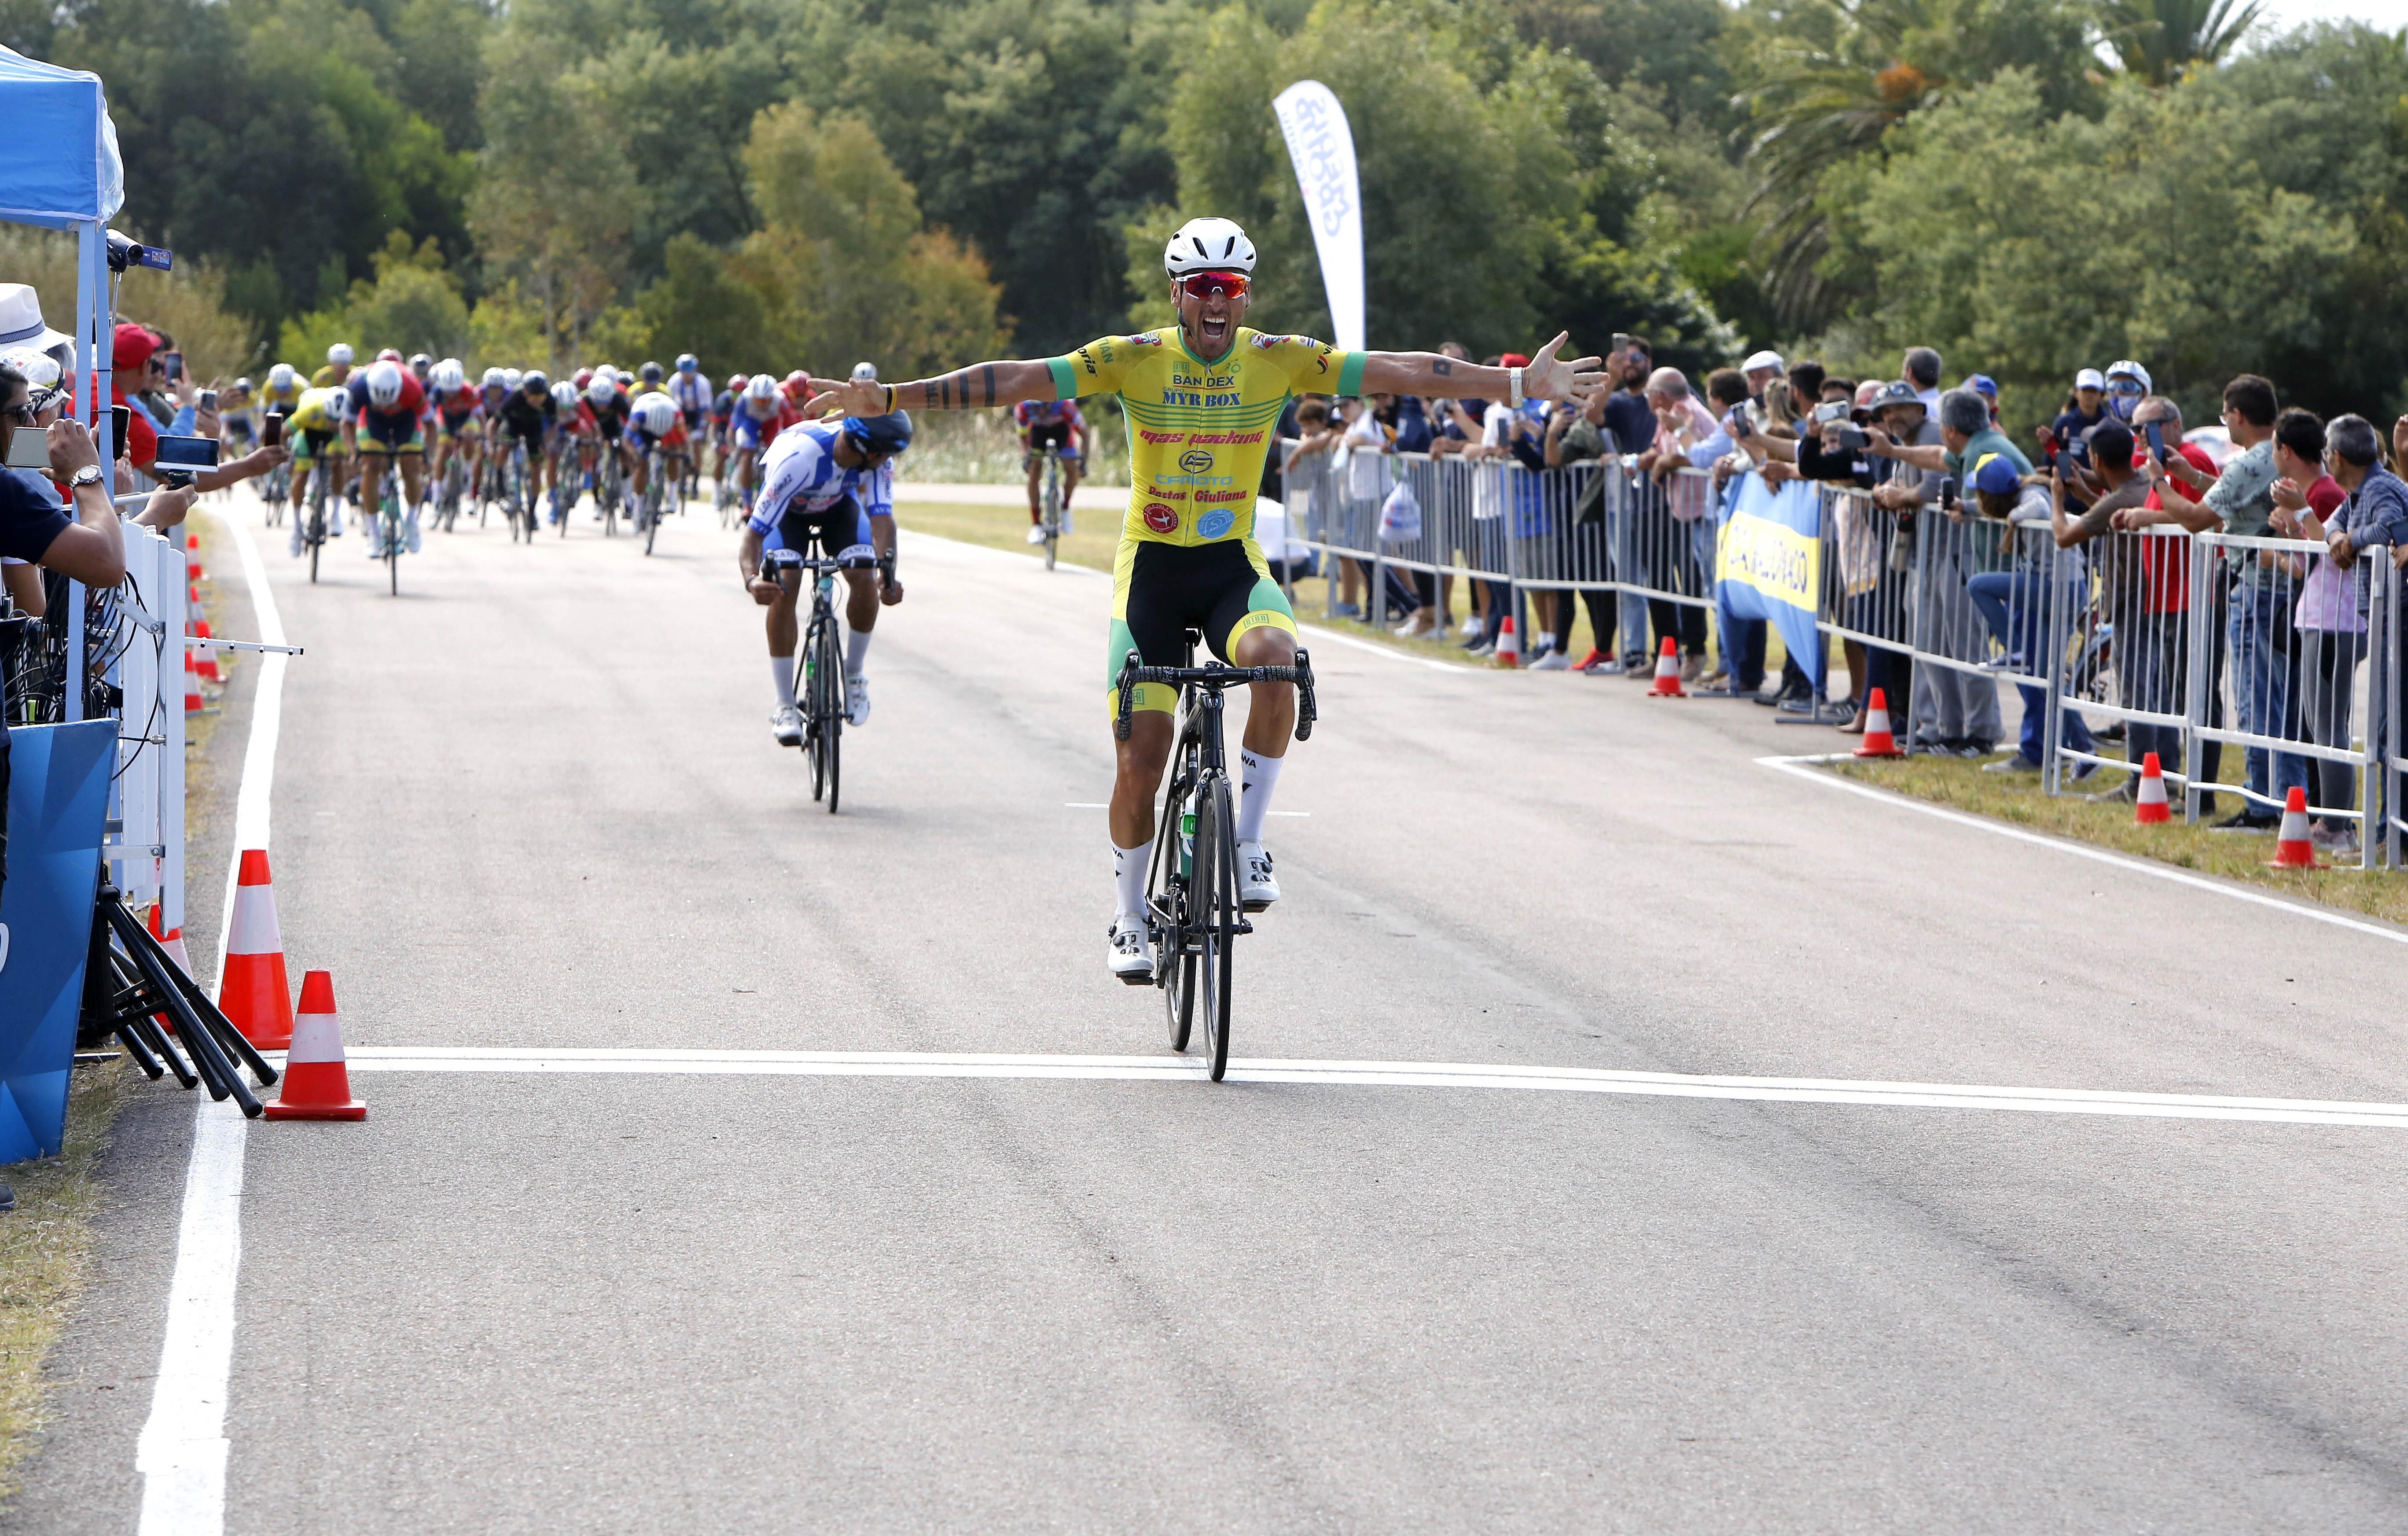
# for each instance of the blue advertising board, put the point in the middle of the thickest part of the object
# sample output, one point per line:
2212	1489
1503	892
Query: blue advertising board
58	806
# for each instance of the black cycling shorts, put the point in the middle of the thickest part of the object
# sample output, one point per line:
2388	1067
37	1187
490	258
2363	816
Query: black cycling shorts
840	531
1161	591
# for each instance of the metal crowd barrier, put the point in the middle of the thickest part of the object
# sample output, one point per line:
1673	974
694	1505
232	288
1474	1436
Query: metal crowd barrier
2304	672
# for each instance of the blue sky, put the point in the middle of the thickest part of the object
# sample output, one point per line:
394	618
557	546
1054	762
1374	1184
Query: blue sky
2390	15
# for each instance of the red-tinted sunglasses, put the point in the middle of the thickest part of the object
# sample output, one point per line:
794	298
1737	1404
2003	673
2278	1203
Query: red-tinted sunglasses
1203	285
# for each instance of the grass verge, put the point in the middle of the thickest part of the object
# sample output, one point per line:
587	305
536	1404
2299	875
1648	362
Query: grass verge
46	1248
1961	785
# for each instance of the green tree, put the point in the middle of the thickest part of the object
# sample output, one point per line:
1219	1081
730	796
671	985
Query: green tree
2159	39
2026	246
413	303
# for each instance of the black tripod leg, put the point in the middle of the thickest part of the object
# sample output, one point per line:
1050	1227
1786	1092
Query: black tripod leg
199	1037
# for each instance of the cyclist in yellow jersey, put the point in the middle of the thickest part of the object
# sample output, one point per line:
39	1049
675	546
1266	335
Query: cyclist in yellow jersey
337	369
314	432
283	390
1202	399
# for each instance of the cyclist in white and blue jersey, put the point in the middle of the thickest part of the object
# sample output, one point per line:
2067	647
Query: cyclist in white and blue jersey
691	389
834	481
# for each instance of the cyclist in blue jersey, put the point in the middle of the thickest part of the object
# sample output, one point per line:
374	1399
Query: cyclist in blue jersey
834	480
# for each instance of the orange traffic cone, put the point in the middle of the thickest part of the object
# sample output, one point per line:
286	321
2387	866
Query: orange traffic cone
317	1085
193	557
253	992
193	702
1879	743
2150	807
1667	672
207	657
1508	644
172	940
2292	849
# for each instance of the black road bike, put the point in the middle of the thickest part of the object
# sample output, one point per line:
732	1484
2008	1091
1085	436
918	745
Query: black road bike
819	666
1193	914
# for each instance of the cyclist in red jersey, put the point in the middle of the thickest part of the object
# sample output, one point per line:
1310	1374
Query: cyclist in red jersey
1051	423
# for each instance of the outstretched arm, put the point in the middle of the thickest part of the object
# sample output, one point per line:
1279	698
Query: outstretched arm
973	387
1546	378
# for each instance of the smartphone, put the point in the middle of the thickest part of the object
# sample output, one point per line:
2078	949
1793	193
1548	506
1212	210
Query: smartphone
1830	411
29	447
271	429
180	458
121	422
2157	440
208	399
1621	341
1852	440
1740	425
174	362
1948	491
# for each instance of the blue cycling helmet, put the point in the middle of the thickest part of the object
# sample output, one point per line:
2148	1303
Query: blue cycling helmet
887	434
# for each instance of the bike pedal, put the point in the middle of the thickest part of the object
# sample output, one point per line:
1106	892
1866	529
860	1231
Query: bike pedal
1245	926
1144	979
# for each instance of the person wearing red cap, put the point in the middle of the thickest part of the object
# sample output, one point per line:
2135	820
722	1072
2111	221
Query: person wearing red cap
130	354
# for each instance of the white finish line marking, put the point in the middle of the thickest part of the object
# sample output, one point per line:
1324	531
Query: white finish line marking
1802	767
182	1451
1407	1074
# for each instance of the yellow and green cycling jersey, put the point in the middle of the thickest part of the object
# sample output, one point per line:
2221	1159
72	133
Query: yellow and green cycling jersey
318	411
1199	431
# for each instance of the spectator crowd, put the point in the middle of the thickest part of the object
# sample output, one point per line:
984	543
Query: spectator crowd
1953	530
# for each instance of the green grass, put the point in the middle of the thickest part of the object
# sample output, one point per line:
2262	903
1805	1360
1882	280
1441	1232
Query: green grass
1960	783
46	1247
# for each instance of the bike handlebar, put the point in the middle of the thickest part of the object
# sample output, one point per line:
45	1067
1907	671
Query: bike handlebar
1215	677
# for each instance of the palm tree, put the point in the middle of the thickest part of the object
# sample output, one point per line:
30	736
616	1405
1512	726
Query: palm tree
2159	39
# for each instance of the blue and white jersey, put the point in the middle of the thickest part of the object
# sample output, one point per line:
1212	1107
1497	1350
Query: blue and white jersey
690	390
799	471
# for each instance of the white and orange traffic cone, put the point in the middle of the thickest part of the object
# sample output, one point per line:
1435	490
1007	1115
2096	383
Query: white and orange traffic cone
253	992
2149	805
1508	644
2292	848
172	940
193	702
1878	742
317	1085
193	557
1667	672
206	663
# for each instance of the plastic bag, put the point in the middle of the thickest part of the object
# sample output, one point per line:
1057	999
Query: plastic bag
1400	515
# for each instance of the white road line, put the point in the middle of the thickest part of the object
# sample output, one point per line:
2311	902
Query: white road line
1420	1074
183	1452
1801	768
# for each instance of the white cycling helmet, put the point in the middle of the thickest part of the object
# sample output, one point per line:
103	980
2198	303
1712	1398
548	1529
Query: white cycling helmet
603	390
1208	245
340	352
279	378
865	373
761	387
495	379
513	379
385	385
564	394
2131	370
656	414
41	370
449	375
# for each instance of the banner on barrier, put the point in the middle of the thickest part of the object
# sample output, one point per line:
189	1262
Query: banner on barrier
1769	564
58	805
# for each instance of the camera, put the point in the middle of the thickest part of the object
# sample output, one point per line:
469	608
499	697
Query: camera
124	251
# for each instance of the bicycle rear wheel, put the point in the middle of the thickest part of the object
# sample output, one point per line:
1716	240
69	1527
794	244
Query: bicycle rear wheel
1215	864
1053	515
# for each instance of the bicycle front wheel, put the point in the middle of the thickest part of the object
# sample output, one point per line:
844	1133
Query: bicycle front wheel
1167	900
1215	866
827	690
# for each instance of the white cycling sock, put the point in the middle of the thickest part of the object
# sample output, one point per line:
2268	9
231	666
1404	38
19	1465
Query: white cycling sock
1129	875
1257	777
782	672
856	646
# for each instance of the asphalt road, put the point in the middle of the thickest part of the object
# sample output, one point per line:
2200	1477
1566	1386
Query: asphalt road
534	803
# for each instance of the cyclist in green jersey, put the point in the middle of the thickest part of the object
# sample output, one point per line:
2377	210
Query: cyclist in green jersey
1202	400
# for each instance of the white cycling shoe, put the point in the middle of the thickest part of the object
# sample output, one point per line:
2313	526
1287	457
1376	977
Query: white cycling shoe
856	701
1036	533
297	538
1257	887
411	539
1131	960
787	726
